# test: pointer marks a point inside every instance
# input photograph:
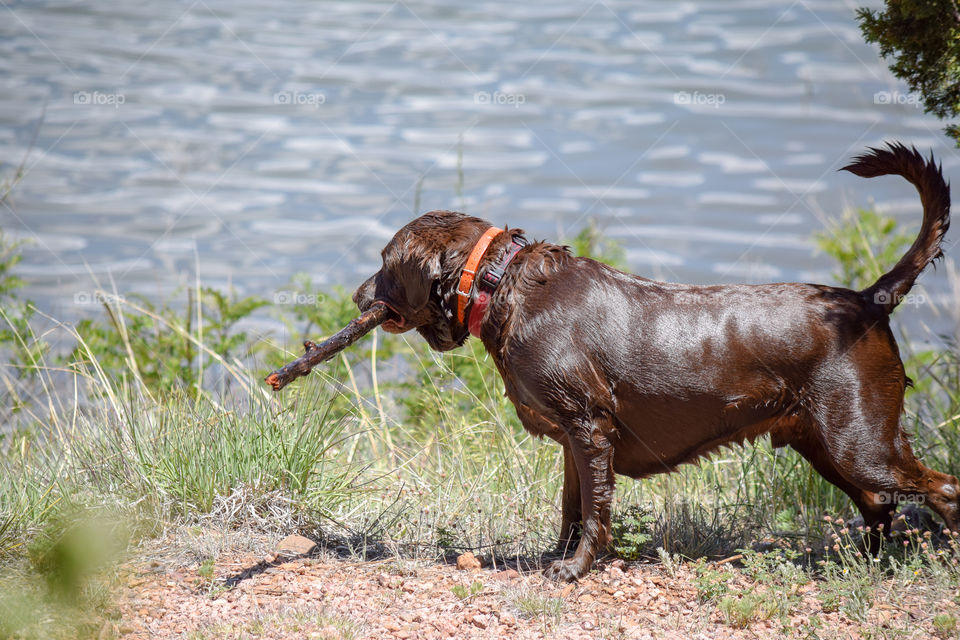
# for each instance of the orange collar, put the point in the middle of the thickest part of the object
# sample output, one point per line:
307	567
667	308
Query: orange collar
470	270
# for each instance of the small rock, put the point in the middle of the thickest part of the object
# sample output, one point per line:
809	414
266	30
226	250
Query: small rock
884	617
296	545
567	590
468	562
391	625
587	625
480	621
506	576
507	619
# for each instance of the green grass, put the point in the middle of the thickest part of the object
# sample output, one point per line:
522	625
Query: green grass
133	432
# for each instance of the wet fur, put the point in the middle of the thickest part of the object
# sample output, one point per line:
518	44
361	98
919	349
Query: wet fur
635	377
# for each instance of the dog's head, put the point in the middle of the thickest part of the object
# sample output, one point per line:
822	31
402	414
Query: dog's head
419	277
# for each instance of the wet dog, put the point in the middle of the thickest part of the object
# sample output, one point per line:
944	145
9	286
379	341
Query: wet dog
634	376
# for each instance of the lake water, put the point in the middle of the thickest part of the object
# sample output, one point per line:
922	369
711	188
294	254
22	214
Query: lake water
254	140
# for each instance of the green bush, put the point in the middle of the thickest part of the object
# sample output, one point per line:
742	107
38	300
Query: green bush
631	533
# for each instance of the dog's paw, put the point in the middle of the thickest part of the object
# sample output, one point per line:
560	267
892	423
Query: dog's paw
565	570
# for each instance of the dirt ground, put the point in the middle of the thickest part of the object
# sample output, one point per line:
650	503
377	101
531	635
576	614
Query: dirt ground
322	596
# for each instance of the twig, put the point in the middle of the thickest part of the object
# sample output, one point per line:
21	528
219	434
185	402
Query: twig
314	354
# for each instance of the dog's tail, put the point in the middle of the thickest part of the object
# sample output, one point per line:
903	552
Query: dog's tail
927	177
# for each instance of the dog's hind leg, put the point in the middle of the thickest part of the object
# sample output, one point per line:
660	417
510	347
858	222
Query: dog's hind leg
866	444
877	513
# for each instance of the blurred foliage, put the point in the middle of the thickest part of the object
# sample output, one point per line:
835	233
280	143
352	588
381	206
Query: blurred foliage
160	345
865	245
65	588
590	242
923	38
23	350
9	258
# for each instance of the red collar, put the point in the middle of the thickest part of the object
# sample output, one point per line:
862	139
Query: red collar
488	283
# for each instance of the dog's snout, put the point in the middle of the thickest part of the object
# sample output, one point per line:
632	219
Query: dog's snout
364	295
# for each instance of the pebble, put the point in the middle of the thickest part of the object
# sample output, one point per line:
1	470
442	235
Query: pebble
506	575
468	562
296	545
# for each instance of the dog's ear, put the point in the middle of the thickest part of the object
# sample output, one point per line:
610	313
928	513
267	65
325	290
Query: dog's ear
417	280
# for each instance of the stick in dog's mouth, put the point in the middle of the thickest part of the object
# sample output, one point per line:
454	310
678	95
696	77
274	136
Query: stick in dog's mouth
314	354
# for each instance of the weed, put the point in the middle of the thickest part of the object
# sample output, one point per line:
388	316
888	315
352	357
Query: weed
778	579
630	530
464	593
712	583
537	605
944	626
299	622
693	531
740	612
669	562
206	570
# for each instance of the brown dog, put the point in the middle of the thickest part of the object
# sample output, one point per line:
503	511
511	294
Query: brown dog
634	376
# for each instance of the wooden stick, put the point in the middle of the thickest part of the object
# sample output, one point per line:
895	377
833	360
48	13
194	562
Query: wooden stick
314	354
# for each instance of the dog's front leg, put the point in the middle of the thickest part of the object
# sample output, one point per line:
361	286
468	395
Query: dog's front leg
592	455
571	524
